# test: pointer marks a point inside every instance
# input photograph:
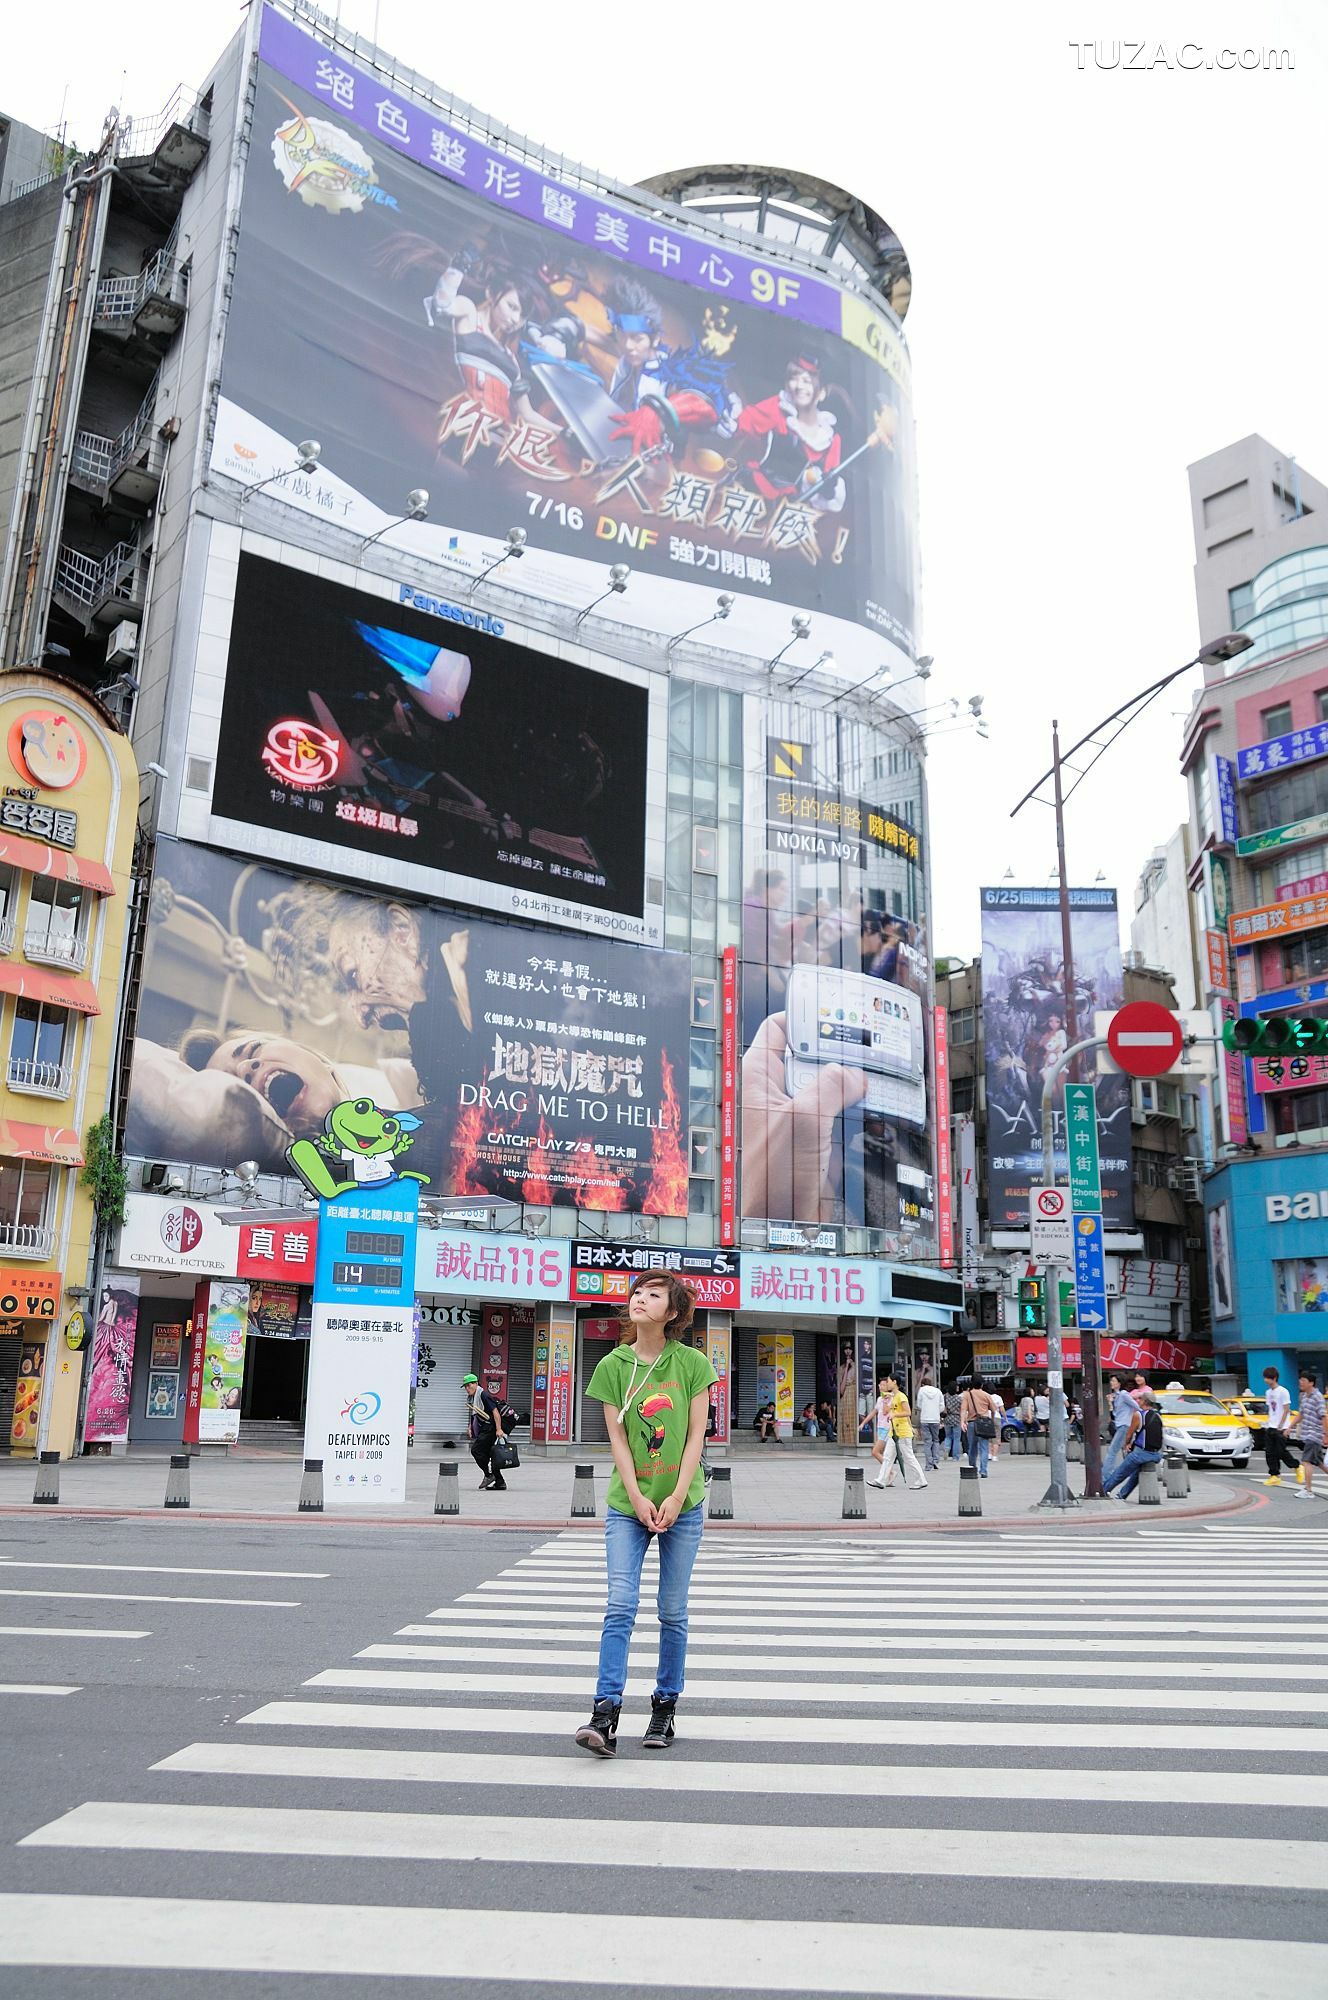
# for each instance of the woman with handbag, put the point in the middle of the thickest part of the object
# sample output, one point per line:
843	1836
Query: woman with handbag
894	1437
487	1435
656	1396
979	1414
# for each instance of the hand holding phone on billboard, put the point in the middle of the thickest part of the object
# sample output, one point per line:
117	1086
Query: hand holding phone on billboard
788	1136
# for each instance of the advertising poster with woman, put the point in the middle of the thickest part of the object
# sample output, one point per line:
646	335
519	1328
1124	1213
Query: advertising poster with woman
111	1367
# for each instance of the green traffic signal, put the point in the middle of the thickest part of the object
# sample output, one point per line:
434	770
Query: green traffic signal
1032	1304
1274	1035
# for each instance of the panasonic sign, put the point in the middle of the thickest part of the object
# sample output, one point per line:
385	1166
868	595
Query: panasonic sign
1296	1207
438	607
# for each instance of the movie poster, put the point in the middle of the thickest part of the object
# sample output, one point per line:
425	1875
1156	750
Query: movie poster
369	724
836	1105
539	1067
1024	1026
443	316
111	1366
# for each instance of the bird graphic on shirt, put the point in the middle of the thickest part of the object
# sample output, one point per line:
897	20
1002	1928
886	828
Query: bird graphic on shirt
653	1432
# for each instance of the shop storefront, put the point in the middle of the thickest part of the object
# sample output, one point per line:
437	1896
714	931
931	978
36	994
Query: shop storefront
1266	1221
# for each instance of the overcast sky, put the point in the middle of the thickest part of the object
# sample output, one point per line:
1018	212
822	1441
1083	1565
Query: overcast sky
1115	272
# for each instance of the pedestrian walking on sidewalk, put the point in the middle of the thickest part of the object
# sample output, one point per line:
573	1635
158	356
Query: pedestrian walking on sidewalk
1309	1429
980	1423
954	1422
1276	1453
931	1409
656	1397
894	1437
1143	1446
998	1418
486	1428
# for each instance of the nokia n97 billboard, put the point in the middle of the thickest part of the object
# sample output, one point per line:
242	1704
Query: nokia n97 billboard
445	316
1025	1032
371	724
537	1066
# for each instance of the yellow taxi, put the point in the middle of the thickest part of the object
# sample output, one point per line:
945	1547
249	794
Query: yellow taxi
1200	1429
1252	1411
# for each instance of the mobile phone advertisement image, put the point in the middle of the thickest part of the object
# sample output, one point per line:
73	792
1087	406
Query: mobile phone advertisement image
536	1066
1024	1024
440	315
371	724
836	1108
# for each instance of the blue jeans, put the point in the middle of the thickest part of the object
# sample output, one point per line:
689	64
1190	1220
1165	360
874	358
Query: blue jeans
931	1440
625	1545
1126	1475
978	1450
952	1440
1114	1450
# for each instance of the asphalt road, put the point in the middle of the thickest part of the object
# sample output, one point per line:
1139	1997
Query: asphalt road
1002	1764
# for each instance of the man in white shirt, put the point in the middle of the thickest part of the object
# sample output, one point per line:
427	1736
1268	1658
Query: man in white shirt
1042	1409
1275	1451
931	1408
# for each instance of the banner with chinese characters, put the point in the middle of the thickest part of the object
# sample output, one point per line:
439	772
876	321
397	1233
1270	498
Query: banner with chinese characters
836	1116
543	1068
274	1311
945	1193
728	1097
774	1376
1025	1030
561	1363
220	1328
1297	746
1270	920
460	1263
443	315
1288	1072
372	725
1235	1112
111	1364
357	1416
604	1272
282	1251
814	1285
1218	961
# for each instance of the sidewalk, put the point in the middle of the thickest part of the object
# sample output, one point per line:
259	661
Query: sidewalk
797	1492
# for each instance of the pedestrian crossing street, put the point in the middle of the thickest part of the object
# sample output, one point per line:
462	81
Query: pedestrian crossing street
1001	1767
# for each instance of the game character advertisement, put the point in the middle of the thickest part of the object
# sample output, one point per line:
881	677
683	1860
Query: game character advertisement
536	1067
369	724
1024	1025
835	1119
442	316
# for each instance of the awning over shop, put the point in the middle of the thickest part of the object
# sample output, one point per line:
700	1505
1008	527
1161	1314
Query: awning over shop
38	859
31	982
56	1143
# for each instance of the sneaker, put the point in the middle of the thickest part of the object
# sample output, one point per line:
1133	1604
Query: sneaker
660	1733
1300	1494
600	1734
1274	1480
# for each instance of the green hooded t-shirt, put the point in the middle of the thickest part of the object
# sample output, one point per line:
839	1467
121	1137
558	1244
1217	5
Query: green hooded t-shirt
656	1419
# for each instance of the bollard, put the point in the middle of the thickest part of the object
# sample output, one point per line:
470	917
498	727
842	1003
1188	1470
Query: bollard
177	1481
1074	1451
46	1493
970	1493
855	1495
311	1487
583	1493
720	1505
1018	1444
1150	1485
447	1495
1178	1479
1040	1444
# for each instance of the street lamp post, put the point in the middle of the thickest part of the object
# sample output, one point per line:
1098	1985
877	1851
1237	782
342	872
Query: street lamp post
1099	739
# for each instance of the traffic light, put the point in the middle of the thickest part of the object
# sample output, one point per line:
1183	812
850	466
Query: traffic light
1032	1304
1274	1035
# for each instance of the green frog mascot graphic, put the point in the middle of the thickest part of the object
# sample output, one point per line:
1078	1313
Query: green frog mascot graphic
359	1147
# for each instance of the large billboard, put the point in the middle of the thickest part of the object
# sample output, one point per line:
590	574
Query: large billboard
1024	1026
438	314
369	725
539	1068
837	1108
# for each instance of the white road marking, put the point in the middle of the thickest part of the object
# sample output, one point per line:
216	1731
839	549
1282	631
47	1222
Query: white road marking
1245	1739
1048	1624
601	1948
961	1695
110	1825
1282	1790
34	1687
169	1569
149	1597
66	1632
973	1634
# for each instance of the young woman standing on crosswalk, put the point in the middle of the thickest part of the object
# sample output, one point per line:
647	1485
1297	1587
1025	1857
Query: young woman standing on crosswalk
656	1396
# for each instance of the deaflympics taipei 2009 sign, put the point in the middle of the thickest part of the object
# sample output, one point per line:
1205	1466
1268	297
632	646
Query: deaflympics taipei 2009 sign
358	1405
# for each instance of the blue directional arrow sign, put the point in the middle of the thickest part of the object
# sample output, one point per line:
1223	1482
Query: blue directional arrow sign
1090	1273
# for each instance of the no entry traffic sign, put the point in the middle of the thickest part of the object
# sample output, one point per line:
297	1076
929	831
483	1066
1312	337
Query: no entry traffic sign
1050	1231
1145	1039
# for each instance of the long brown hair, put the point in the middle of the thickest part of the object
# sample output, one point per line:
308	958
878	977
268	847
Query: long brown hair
682	1305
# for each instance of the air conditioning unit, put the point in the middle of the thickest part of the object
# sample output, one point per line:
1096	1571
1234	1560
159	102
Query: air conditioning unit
1154	1097
122	646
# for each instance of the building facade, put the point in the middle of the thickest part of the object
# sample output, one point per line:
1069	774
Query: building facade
523	672
1256	757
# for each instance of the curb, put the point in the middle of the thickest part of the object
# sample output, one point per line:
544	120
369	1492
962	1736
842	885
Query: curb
1241	1503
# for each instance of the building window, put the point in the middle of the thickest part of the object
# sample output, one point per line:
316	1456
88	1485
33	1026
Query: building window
1276	721
1302	1285
1151	1169
1301	1115
962	1094
1321	698
1305	957
56	929
1240	604
39	1048
1299	795
963	1024
25	1201
1299	866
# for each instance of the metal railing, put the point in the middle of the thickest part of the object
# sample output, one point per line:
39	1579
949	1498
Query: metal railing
7	932
139	136
40	1079
46	946
122	298
98	459
91	580
26	1239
